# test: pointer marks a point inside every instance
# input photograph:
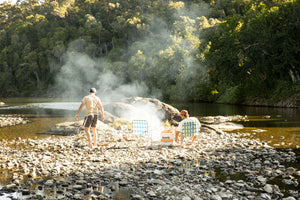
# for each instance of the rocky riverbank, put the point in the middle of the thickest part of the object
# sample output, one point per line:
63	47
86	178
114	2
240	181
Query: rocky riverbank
218	166
11	120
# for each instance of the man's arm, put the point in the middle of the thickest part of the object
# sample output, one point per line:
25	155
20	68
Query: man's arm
177	132
79	110
101	110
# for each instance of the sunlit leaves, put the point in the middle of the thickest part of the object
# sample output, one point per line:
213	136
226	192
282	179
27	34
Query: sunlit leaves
60	8
134	20
203	22
137	65
113	5
176	5
90	21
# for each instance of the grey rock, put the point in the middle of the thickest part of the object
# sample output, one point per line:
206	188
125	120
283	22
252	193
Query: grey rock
77	187
289	198
186	198
49	182
262	179
265	196
151	194
216	197
287	181
268	188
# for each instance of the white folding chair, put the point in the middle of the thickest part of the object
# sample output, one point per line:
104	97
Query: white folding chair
140	127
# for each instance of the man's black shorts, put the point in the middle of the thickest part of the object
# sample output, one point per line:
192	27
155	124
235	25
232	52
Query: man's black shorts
90	121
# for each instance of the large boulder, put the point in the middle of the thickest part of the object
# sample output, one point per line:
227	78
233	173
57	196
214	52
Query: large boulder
119	109
109	118
137	105
171	113
65	128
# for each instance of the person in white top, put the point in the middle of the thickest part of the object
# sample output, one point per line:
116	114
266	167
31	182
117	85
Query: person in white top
91	103
185	118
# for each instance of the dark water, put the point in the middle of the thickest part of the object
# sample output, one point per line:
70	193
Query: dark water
280	127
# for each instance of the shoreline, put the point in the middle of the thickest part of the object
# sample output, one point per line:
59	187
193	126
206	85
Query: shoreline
217	166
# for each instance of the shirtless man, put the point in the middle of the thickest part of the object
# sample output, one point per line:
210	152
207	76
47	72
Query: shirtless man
91	103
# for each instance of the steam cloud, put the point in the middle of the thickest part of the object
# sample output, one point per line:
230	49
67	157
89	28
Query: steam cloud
81	72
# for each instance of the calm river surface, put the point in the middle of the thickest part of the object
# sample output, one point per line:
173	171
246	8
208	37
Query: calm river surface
280	127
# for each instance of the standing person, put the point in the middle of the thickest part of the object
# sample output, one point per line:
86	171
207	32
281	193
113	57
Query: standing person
186	118
91	103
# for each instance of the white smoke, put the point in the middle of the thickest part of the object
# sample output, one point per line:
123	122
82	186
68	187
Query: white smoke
76	75
149	113
81	72
113	89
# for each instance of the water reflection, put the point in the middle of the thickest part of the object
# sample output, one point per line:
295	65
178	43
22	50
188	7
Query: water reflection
42	117
33	129
209	109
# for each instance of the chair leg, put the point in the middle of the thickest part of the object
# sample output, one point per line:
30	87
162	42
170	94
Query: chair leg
176	136
181	138
193	140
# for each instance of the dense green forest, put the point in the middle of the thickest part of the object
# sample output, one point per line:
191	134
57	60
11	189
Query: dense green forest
193	50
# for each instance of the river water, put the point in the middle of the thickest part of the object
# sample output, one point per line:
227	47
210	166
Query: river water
280	127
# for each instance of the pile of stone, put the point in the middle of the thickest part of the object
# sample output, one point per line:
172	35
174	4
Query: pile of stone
11	120
217	166
221	119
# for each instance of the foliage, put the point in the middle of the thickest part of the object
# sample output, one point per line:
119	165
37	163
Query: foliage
257	49
196	50
232	95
